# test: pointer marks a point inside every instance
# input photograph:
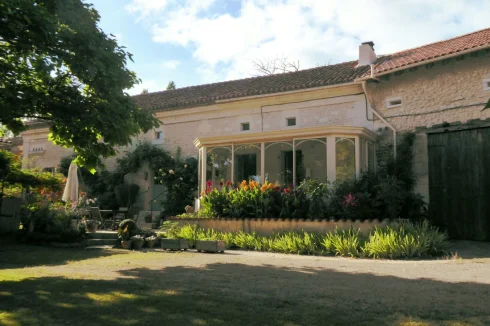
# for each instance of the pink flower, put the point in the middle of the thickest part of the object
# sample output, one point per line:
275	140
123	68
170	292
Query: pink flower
350	200
209	183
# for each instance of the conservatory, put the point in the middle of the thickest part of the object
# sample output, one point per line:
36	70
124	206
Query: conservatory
286	157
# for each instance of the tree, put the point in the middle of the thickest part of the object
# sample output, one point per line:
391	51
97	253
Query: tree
171	85
276	65
144	91
58	66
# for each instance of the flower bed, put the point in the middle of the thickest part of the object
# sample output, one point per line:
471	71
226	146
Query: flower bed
400	240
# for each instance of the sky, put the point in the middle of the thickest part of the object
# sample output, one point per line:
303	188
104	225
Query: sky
195	42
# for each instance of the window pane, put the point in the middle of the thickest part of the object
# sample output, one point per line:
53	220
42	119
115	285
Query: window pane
313	160
218	165
247	162
345	158
279	162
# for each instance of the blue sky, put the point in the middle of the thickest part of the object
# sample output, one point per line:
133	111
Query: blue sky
201	41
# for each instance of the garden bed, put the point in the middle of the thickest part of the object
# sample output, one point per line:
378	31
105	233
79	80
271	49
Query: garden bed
265	226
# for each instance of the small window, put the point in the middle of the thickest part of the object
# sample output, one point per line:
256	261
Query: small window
486	85
290	122
158	134
245	126
393	102
50	170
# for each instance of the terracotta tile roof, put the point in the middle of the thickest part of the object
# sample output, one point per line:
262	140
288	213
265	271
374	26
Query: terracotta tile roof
433	51
316	77
209	93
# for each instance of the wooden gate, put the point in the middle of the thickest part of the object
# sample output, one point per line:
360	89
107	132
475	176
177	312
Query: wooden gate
459	182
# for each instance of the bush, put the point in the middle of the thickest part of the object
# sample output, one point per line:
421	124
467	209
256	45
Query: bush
401	240
406	239
126	194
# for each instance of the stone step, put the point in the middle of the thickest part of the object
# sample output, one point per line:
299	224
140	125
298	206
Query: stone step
100	234
101	242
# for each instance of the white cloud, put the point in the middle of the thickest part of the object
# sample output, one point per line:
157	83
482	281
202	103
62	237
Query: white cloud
149	84
311	31
170	64
146	7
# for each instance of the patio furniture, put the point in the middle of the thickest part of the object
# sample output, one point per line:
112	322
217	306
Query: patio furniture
133	212
95	212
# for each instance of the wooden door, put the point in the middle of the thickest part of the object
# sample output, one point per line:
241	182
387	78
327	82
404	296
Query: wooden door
459	183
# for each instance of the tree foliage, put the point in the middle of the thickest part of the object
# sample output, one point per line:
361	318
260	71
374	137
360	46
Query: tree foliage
58	66
171	85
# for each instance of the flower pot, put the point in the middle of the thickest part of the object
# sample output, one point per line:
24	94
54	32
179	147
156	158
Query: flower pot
174	244
210	245
138	244
126	244
150	243
92	228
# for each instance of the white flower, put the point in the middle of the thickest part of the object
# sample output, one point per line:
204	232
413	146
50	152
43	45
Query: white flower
181	178
171	171
155	178
161	182
185	166
159	170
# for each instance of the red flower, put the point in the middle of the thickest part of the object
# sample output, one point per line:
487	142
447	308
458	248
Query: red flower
287	190
221	183
209	183
228	183
278	189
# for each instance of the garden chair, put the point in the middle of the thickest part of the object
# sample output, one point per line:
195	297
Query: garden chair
95	214
133	212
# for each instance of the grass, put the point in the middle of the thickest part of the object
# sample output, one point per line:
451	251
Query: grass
52	286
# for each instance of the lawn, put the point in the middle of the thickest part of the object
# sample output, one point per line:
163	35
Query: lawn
48	286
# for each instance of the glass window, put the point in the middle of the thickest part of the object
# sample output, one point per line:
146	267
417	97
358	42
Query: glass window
279	162
312	162
218	165
158	134
291	122
247	162
345	158
245	126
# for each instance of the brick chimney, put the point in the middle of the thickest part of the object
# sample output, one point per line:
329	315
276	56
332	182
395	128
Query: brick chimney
367	55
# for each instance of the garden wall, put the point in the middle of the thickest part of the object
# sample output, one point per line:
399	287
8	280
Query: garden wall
268	226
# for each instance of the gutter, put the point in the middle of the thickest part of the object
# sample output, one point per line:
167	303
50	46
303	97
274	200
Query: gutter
369	107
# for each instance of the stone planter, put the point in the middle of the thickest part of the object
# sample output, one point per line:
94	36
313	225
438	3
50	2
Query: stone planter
126	244
210	245
151	243
138	244
174	244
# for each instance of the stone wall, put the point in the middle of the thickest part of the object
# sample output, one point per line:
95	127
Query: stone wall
268	226
447	91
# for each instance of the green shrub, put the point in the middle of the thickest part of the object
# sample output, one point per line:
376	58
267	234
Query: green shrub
126	194
345	243
406	240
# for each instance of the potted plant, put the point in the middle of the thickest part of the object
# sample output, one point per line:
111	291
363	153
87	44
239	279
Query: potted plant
210	245
151	241
91	225
138	241
124	237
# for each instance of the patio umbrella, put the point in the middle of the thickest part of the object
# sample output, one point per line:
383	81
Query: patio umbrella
71	188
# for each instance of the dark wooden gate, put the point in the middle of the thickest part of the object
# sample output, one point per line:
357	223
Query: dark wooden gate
459	182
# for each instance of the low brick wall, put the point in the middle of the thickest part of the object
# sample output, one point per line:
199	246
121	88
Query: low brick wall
268	226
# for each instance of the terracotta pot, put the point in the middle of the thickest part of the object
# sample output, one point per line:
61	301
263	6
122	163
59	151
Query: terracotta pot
126	244
138	244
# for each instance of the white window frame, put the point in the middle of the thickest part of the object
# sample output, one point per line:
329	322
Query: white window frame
389	102
486	84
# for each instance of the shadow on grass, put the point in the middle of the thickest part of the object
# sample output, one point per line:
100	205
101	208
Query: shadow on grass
21	255
238	294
